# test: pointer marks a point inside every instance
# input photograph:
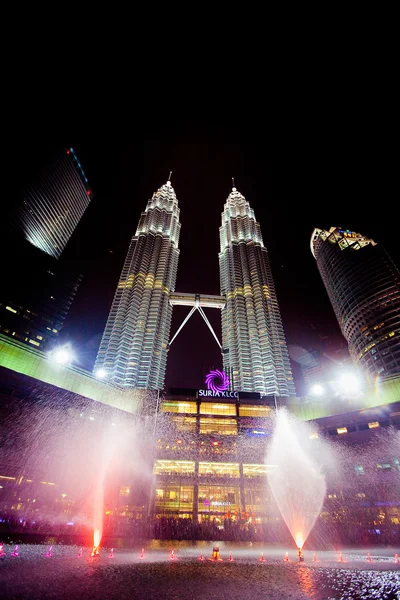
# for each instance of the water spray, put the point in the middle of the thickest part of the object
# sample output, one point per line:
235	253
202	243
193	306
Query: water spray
262	559
142	554
49	552
2	553
15	551
111	555
80	553
286	559
172	555
300	555
230	557
201	557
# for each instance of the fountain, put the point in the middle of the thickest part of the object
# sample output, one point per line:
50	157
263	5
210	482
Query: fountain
297	483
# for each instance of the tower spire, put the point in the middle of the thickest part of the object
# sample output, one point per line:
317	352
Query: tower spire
233	183
169	177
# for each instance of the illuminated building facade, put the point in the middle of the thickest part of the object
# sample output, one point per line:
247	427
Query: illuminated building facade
54	203
363	285
210	469
210	458
210	477
133	350
255	353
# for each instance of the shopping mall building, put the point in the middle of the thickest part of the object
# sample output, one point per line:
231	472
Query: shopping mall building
203	457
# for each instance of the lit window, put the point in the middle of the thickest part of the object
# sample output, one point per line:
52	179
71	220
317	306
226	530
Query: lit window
124	490
39	337
313	436
10	309
373	425
34	342
341	430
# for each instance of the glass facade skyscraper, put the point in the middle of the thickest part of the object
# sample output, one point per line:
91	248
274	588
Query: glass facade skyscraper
54	203
363	285
134	347
36	295
255	353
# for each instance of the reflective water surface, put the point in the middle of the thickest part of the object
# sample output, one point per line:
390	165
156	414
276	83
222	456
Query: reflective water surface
151	573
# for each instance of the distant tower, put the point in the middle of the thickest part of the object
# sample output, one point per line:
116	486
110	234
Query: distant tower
133	350
54	203
255	354
363	285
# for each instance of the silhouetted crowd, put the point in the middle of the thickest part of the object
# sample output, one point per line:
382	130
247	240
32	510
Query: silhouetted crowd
323	535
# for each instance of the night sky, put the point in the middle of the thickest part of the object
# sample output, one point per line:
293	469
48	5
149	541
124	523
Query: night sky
125	170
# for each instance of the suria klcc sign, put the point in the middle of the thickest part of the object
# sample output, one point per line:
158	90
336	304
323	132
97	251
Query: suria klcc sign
217	383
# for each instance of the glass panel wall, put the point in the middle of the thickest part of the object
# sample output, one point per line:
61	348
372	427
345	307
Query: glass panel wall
173	467
255	411
170	498
213	469
208	408
256	500
184	423
218	426
225	499
254	470
176	406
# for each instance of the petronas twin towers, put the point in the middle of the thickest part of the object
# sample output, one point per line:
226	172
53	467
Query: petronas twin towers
133	350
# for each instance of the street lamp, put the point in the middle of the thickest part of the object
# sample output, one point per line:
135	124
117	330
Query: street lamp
317	390
100	373
349	384
62	355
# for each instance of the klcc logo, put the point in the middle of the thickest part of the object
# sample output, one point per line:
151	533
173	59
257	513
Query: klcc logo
217	383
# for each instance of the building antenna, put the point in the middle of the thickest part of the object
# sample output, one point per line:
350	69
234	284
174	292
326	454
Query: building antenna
233	182
169	178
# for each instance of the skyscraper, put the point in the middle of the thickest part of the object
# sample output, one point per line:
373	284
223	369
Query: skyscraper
133	350
36	294
54	203
39	286
363	285
254	348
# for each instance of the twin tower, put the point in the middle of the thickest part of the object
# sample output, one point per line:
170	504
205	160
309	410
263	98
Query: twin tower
134	348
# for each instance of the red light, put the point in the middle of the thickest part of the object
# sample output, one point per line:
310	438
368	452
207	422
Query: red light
215	443
68	151
179	441
89	192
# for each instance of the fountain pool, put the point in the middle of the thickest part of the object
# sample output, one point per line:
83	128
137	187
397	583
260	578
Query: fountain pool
127	575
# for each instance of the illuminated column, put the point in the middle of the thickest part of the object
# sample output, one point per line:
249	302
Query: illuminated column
254	347
363	285
133	351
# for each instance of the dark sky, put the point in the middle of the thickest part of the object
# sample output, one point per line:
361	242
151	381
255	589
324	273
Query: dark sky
124	170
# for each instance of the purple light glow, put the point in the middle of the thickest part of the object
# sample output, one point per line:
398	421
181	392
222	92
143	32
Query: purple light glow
217	381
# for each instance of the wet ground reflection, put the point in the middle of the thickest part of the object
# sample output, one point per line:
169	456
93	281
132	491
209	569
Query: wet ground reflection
66	575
